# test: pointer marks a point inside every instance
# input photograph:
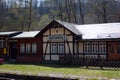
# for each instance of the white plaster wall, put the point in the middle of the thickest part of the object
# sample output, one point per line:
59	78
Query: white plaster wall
75	47
47	57
67	32
80	47
44	48
69	38
45	39
67	46
46	33
56	31
54	57
71	47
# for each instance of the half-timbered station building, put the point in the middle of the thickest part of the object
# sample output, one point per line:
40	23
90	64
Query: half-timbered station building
59	39
91	40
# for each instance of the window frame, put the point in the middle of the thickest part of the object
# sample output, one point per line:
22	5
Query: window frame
28	48
57	48
54	48
102	47
34	47
95	47
22	48
60	48
87	47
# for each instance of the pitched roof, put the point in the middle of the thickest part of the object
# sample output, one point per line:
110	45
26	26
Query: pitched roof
27	34
69	26
8	33
94	31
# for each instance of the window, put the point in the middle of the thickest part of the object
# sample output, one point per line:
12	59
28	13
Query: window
60	48
118	47
28	46
102	47
54	48
94	47
22	48
1	42
57	48
34	47
87	47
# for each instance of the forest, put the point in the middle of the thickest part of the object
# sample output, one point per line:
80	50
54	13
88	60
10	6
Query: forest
26	15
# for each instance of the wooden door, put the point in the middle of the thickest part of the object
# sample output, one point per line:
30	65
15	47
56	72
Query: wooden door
13	50
113	50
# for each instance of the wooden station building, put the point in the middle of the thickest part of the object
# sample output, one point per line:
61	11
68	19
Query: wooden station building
62	38
91	40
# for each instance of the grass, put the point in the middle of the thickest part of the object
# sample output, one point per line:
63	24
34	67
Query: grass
45	69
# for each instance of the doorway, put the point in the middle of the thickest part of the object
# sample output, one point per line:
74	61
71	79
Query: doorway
114	50
13	50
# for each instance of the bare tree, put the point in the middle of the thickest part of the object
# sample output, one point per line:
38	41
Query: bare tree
67	10
94	5
104	10
60	9
69	7
73	4
81	12
30	14
100	8
2	13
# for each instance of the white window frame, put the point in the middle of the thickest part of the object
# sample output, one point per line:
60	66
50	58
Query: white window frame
57	48
61	48
94	47
87	47
22	48
53	47
102	47
34	47
28	48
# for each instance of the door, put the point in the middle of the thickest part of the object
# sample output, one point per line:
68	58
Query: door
13	50
114	50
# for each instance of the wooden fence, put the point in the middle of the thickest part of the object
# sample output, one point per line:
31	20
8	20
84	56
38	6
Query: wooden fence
87	61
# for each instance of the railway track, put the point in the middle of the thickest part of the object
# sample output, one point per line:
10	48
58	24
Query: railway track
28	77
